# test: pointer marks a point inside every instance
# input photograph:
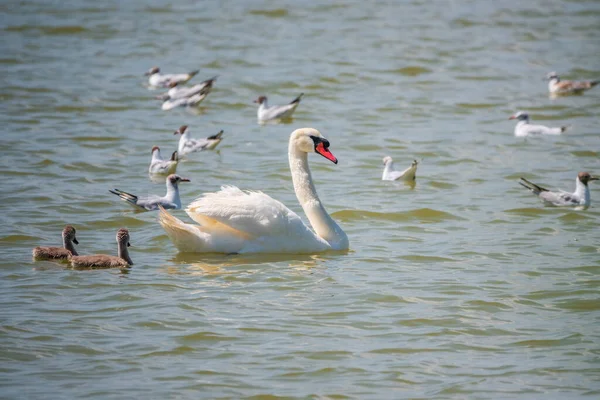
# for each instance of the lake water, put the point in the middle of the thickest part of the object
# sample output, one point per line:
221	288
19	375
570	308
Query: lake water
463	286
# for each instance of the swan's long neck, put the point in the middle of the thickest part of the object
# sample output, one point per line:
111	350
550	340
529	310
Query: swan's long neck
306	193
123	252
68	244
156	156
172	193
583	191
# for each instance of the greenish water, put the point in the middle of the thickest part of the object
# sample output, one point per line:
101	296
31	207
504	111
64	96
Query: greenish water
462	286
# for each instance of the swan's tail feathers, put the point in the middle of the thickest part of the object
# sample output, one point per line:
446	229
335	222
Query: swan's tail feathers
532	186
186	237
297	99
175	156
128	197
594	83
217	136
193	73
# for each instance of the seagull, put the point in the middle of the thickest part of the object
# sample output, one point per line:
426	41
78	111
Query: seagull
389	174
177	91
158	165
580	198
524	128
188	145
156	79
192	101
170	200
556	86
266	113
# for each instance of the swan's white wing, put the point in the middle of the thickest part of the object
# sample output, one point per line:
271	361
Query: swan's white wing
253	213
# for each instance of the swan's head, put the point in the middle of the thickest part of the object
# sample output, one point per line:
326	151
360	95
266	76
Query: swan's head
181	130
585	177
414	163
261	99
152	71
68	234
123	237
387	160
552	75
155	148
521	116
309	140
174	179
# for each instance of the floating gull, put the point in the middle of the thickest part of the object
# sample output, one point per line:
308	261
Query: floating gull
188	145
389	174
524	128
267	113
556	86
158	165
156	79
580	198
170	201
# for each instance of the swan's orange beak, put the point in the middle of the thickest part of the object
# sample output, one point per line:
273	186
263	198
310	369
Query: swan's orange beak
322	150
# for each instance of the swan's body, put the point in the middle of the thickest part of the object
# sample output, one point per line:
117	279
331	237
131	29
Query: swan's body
105	261
267	113
556	86
170	201
156	79
58	253
389	174
234	221
188	145
178	91
524	128
159	165
579	199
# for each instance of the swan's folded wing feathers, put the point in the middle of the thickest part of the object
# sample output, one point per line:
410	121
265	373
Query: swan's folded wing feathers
253	213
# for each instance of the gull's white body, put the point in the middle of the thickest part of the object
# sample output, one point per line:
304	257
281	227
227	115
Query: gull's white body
524	128
267	113
234	221
189	145
389	174
158	165
192	101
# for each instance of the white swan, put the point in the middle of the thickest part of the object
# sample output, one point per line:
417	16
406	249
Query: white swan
234	221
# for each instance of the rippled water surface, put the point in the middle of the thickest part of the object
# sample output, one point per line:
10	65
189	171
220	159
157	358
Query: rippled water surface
462	286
